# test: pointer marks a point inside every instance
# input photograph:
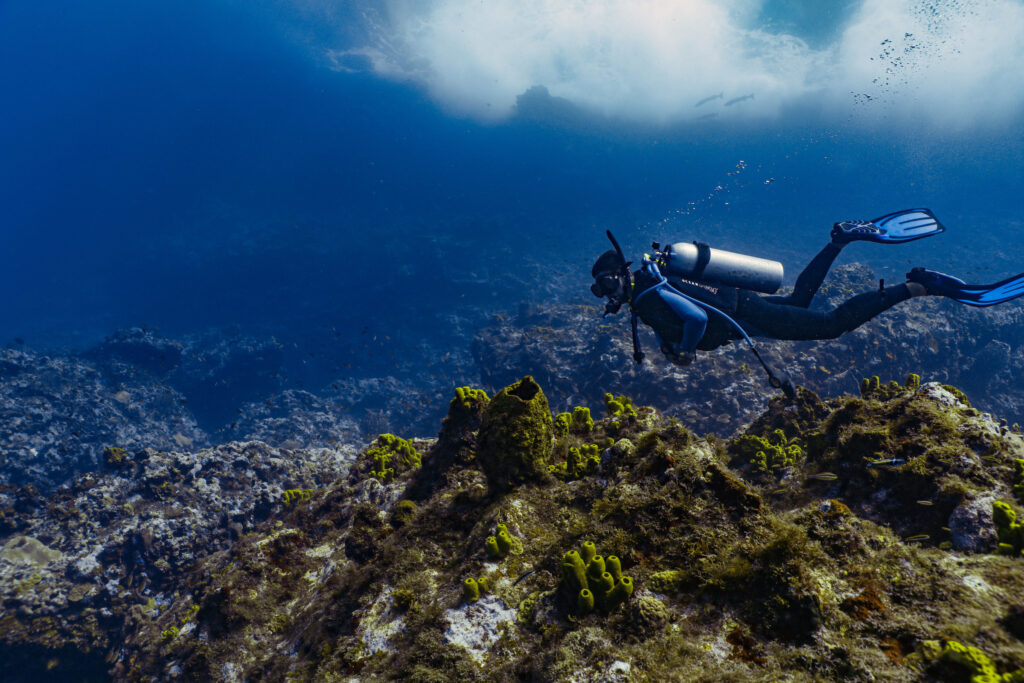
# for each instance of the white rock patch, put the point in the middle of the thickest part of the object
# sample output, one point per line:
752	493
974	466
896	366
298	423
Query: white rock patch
378	623
478	626
934	391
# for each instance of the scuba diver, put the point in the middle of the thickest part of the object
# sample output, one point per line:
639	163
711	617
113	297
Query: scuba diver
697	298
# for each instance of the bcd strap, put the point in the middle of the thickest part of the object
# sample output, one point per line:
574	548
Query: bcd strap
703	258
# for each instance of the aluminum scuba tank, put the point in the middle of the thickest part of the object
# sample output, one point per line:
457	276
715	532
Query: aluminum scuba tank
698	262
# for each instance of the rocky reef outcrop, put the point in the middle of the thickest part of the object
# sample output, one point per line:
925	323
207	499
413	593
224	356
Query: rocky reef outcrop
138	390
80	567
862	537
58	414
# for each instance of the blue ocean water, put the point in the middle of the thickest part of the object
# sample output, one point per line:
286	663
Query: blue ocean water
373	179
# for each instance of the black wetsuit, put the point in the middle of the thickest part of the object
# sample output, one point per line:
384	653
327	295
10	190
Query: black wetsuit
776	317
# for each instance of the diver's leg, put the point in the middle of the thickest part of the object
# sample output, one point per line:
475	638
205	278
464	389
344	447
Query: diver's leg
790	322
810	278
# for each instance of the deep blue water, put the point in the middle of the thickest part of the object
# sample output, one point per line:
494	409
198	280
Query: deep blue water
198	164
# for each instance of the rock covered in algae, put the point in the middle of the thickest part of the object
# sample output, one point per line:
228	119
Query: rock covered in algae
515	435
739	574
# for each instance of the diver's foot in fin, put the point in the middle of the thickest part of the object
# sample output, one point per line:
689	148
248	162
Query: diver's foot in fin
940	284
850	231
937	284
892	228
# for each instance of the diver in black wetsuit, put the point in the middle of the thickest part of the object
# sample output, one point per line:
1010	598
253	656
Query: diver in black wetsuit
704	308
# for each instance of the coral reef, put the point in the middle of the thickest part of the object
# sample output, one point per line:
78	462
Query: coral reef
863	558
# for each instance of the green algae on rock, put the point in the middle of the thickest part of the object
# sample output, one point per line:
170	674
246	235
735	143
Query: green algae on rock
1009	531
768	453
954	661
290	496
391	456
737	576
515	435
619	406
579	462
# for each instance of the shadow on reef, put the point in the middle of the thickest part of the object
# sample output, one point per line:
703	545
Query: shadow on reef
860	538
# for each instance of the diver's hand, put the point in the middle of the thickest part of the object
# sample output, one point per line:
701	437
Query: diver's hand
678	359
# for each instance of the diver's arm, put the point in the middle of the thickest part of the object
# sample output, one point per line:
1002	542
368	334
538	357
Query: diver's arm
692	316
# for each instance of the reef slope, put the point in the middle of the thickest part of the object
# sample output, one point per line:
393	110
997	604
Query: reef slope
845	539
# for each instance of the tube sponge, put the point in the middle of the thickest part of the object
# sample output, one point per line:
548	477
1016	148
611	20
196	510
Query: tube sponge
585	602
574	571
620	593
595	567
589	552
470	590
601	577
614	566
502	543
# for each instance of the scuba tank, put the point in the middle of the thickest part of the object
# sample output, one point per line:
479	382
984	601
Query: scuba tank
778	380
699	262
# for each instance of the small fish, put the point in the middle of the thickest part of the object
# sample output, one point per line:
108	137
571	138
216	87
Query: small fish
778	492
919	537
887	462
945	528
823	476
706	117
709	99
529	573
737	100
925	502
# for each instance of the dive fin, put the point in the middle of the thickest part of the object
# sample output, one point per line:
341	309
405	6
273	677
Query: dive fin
892	228
972	295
